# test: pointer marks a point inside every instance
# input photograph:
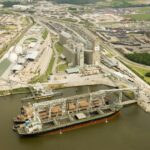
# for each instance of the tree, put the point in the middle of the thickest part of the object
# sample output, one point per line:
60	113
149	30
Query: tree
147	74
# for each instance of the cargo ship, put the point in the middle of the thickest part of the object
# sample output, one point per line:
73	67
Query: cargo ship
64	113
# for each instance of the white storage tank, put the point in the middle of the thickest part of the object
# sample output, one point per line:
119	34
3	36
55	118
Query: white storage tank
13	57
18	50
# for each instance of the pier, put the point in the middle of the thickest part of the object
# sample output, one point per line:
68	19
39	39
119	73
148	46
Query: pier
39	91
90	102
129	102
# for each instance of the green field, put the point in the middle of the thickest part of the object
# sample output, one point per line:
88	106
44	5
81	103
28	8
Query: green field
62	67
44	34
4	65
140	72
144	10
139	17
106	3
59	48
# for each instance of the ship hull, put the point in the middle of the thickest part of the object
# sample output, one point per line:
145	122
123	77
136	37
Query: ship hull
66	128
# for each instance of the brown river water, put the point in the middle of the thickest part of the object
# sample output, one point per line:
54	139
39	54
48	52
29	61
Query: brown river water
129	131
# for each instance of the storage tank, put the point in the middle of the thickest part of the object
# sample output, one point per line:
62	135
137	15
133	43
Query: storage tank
13	57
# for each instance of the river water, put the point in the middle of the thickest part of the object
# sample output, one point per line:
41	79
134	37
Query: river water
129	131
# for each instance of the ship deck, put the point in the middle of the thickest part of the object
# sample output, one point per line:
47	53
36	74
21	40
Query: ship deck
70	120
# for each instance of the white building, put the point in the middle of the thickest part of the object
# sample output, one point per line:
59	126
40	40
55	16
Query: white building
22	7
32	55
1	5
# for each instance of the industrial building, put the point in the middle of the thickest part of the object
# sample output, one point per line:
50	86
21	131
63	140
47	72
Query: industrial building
22	7
64	37
109	62
32	55
16	68
77	52
74	53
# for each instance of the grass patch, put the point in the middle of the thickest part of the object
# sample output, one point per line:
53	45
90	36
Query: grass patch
21	90
44	34
144	10
29	40
121	3
8	27
32	39
25	20
140	72
62	67
86	23
139	17
4	65
129	94
59	48
69	20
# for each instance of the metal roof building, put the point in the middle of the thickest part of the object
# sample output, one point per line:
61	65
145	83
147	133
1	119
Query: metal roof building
21	60
72	70
32	55
16	68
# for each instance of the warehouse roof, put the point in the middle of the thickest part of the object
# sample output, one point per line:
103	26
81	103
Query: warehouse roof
17	67
32	55
65	34
72	70
21	60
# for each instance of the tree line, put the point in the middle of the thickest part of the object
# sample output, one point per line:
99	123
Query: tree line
142	58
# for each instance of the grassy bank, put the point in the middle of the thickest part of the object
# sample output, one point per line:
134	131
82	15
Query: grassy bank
4	65
139	72
44	34
59	48
62	67
139	17
23	90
